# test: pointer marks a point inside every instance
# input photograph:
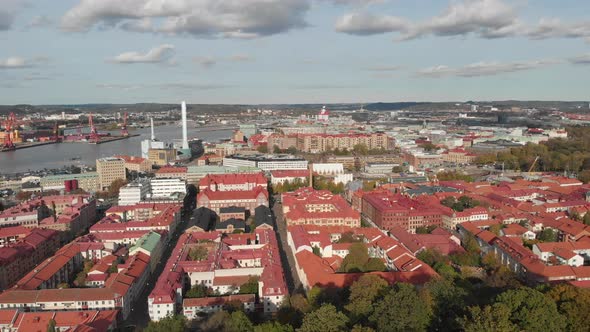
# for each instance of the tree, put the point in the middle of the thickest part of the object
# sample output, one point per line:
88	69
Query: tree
63	285
531	310
375	264
361	149
448	301
114	187
360	328
198	253
238	322
316	251
547	235
584	176
428	147
402	309
113	268
176	323
198	290
51	325
363	294
1	206
276	149
250	287
262	149
453	176
291	150
356	259
273	327
215	322
432	256
24	195
324	319
586	219
574	304
491	318
425	229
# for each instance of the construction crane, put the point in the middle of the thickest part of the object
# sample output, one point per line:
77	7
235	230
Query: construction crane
93	134
533	165
124	131
9	125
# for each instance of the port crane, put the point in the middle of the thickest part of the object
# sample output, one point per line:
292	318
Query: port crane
124	131
9	125
94	137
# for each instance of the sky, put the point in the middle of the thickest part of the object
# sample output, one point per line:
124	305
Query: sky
292	51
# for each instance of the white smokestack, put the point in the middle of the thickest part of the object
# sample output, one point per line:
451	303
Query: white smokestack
184	127
152	124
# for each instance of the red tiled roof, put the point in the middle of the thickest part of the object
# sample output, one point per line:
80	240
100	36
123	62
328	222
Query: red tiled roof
320	273
231	195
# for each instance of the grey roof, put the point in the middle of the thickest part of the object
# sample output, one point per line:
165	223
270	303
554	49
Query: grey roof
237	223
263	216
431	190
410	179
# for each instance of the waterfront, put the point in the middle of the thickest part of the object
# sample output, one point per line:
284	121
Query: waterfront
54	156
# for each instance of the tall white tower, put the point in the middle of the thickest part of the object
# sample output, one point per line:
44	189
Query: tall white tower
184	127
152	126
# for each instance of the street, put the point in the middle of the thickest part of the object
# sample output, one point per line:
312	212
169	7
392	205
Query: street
139	316
287	258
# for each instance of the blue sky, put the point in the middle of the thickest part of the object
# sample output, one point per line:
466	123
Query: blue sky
292	51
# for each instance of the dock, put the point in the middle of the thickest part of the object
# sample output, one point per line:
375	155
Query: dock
109	139
27	145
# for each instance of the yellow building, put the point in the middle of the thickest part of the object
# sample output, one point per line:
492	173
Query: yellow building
318	143
162	157
110	169
137	164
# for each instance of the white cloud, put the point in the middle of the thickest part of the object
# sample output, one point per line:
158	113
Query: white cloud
483	18
17	62
160	54
8	11
368	24
555	28
201	18
13	62
484	68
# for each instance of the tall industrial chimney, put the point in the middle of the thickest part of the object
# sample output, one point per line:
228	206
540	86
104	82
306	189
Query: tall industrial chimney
184	127
153	134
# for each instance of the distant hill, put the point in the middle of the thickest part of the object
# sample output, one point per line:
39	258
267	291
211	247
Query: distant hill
578	106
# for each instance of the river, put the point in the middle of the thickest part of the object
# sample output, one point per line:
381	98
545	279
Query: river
54	156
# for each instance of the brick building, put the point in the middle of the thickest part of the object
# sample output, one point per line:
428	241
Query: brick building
307	206
388	210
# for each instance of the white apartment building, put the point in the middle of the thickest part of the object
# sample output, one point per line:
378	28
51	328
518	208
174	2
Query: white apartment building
328	168
165	187
135	192
266	162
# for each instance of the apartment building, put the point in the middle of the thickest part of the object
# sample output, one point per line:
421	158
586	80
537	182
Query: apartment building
110	169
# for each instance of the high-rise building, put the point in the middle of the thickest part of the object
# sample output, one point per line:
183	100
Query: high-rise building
110	169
